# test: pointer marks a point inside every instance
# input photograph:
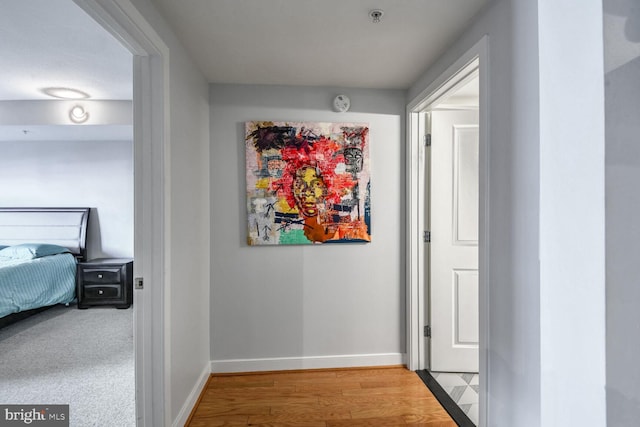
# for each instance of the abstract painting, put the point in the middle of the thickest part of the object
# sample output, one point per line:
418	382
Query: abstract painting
307	183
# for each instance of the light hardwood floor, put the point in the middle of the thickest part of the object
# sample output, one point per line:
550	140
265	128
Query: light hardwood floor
381	397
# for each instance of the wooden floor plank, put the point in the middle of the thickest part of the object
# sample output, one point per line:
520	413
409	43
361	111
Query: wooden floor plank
369	372
409	390
291	424
427	421
386	397
376	399
206	410
368	422
241	384
221	420
328	388
250	391
308	416
427	411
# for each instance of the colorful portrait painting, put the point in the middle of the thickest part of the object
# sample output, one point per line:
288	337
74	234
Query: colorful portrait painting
308	183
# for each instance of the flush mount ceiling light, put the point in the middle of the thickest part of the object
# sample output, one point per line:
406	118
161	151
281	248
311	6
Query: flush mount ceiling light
65	93
375	15
78	114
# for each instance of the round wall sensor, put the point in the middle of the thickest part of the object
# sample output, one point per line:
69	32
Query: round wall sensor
341	103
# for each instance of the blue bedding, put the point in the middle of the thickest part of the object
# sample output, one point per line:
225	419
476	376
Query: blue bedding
38	282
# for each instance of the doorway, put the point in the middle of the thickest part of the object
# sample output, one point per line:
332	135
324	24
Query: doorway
451	183
71	159
451	257
443	232
151	211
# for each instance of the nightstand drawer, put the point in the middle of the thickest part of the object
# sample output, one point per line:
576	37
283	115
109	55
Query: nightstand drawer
105	281
102	292
101	275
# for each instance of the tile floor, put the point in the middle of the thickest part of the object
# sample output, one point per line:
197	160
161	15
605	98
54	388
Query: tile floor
463	389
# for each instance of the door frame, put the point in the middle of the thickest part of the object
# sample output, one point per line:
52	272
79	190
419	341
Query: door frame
151	202
416	172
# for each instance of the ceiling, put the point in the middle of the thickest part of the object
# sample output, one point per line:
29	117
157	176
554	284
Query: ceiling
53	43
464	96
317	43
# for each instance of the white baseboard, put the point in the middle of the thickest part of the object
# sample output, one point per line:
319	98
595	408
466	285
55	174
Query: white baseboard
190	403
311	362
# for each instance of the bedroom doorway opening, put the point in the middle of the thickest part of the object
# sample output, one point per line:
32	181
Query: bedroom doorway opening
76	149
148	59
151	213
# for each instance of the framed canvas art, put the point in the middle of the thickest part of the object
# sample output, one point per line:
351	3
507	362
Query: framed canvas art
307	183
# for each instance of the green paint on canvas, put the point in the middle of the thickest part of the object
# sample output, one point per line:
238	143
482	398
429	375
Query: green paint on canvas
293	237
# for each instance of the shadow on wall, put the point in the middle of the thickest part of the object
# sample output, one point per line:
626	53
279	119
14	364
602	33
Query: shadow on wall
622	104
629	9
94	237
622	109
621	33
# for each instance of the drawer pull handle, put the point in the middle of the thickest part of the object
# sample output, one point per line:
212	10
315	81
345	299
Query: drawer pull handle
100	292
99	276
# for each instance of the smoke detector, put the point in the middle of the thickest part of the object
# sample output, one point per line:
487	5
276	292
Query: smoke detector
375	15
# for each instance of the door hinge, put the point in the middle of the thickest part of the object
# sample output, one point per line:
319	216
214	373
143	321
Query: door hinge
427	331
426	237
427	140
138	283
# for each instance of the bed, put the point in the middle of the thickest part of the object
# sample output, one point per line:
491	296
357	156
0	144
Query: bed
39	251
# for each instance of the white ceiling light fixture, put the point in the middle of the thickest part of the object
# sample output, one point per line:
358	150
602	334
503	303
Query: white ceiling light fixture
78	114
376	15
65	93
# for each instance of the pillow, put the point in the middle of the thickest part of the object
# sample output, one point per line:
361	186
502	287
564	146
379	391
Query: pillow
31	250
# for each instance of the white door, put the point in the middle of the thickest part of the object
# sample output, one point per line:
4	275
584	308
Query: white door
453	290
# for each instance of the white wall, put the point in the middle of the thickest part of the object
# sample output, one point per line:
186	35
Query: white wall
530	197
297	306
187	184
622	95
190	235
572	213
95	174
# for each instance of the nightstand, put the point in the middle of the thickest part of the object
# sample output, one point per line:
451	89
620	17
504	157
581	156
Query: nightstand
105	281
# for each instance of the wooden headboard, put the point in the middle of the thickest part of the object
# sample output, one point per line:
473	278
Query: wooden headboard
66	227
